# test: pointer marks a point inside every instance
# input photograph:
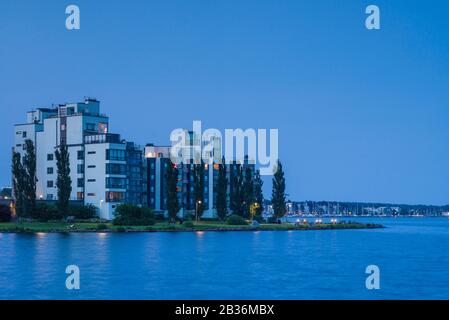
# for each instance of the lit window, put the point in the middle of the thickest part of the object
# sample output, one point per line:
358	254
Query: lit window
113	196
103	127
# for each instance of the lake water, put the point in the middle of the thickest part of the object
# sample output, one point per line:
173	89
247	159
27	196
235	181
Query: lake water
412	254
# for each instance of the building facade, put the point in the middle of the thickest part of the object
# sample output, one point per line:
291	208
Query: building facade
157	158
102	166
104	169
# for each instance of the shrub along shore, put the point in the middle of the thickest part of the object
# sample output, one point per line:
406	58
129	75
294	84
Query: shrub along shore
57	226
130	218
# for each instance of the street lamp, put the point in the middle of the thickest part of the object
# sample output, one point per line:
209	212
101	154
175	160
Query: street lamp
196	210
253	209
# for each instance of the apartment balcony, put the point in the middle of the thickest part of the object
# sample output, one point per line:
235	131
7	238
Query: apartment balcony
102	138
83	113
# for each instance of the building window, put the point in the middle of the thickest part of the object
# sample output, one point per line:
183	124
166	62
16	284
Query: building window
91	152
102	127
115	168
90	126
113	196
91	194
115	154
24	134
50	157
116	183
80	195
49	170
80	155
91	180
80	183
49	196
50	184
92	166
80	169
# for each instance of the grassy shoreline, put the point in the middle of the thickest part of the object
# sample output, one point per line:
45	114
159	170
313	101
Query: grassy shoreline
78	227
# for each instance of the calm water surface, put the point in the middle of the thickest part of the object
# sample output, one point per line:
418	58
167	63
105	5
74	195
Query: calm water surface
412	254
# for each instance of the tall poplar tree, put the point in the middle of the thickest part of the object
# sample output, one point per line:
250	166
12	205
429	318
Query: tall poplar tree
63	180
258	193
29	166
248	191
237	191
198	188
172	191
278	193
18	183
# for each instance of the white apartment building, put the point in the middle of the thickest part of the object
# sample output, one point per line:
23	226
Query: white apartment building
105	170
98	167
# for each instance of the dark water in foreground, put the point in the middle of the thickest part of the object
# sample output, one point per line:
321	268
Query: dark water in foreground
412	254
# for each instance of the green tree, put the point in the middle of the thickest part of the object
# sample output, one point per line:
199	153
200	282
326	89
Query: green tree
248	192
63	180
198	188
258	193
278	193
237	198
172	191
18	183
29	165
132	215
222	191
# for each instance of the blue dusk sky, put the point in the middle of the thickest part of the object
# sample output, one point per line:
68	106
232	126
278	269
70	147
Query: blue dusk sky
363	115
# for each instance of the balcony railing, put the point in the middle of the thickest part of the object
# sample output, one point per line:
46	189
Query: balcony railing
102	138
